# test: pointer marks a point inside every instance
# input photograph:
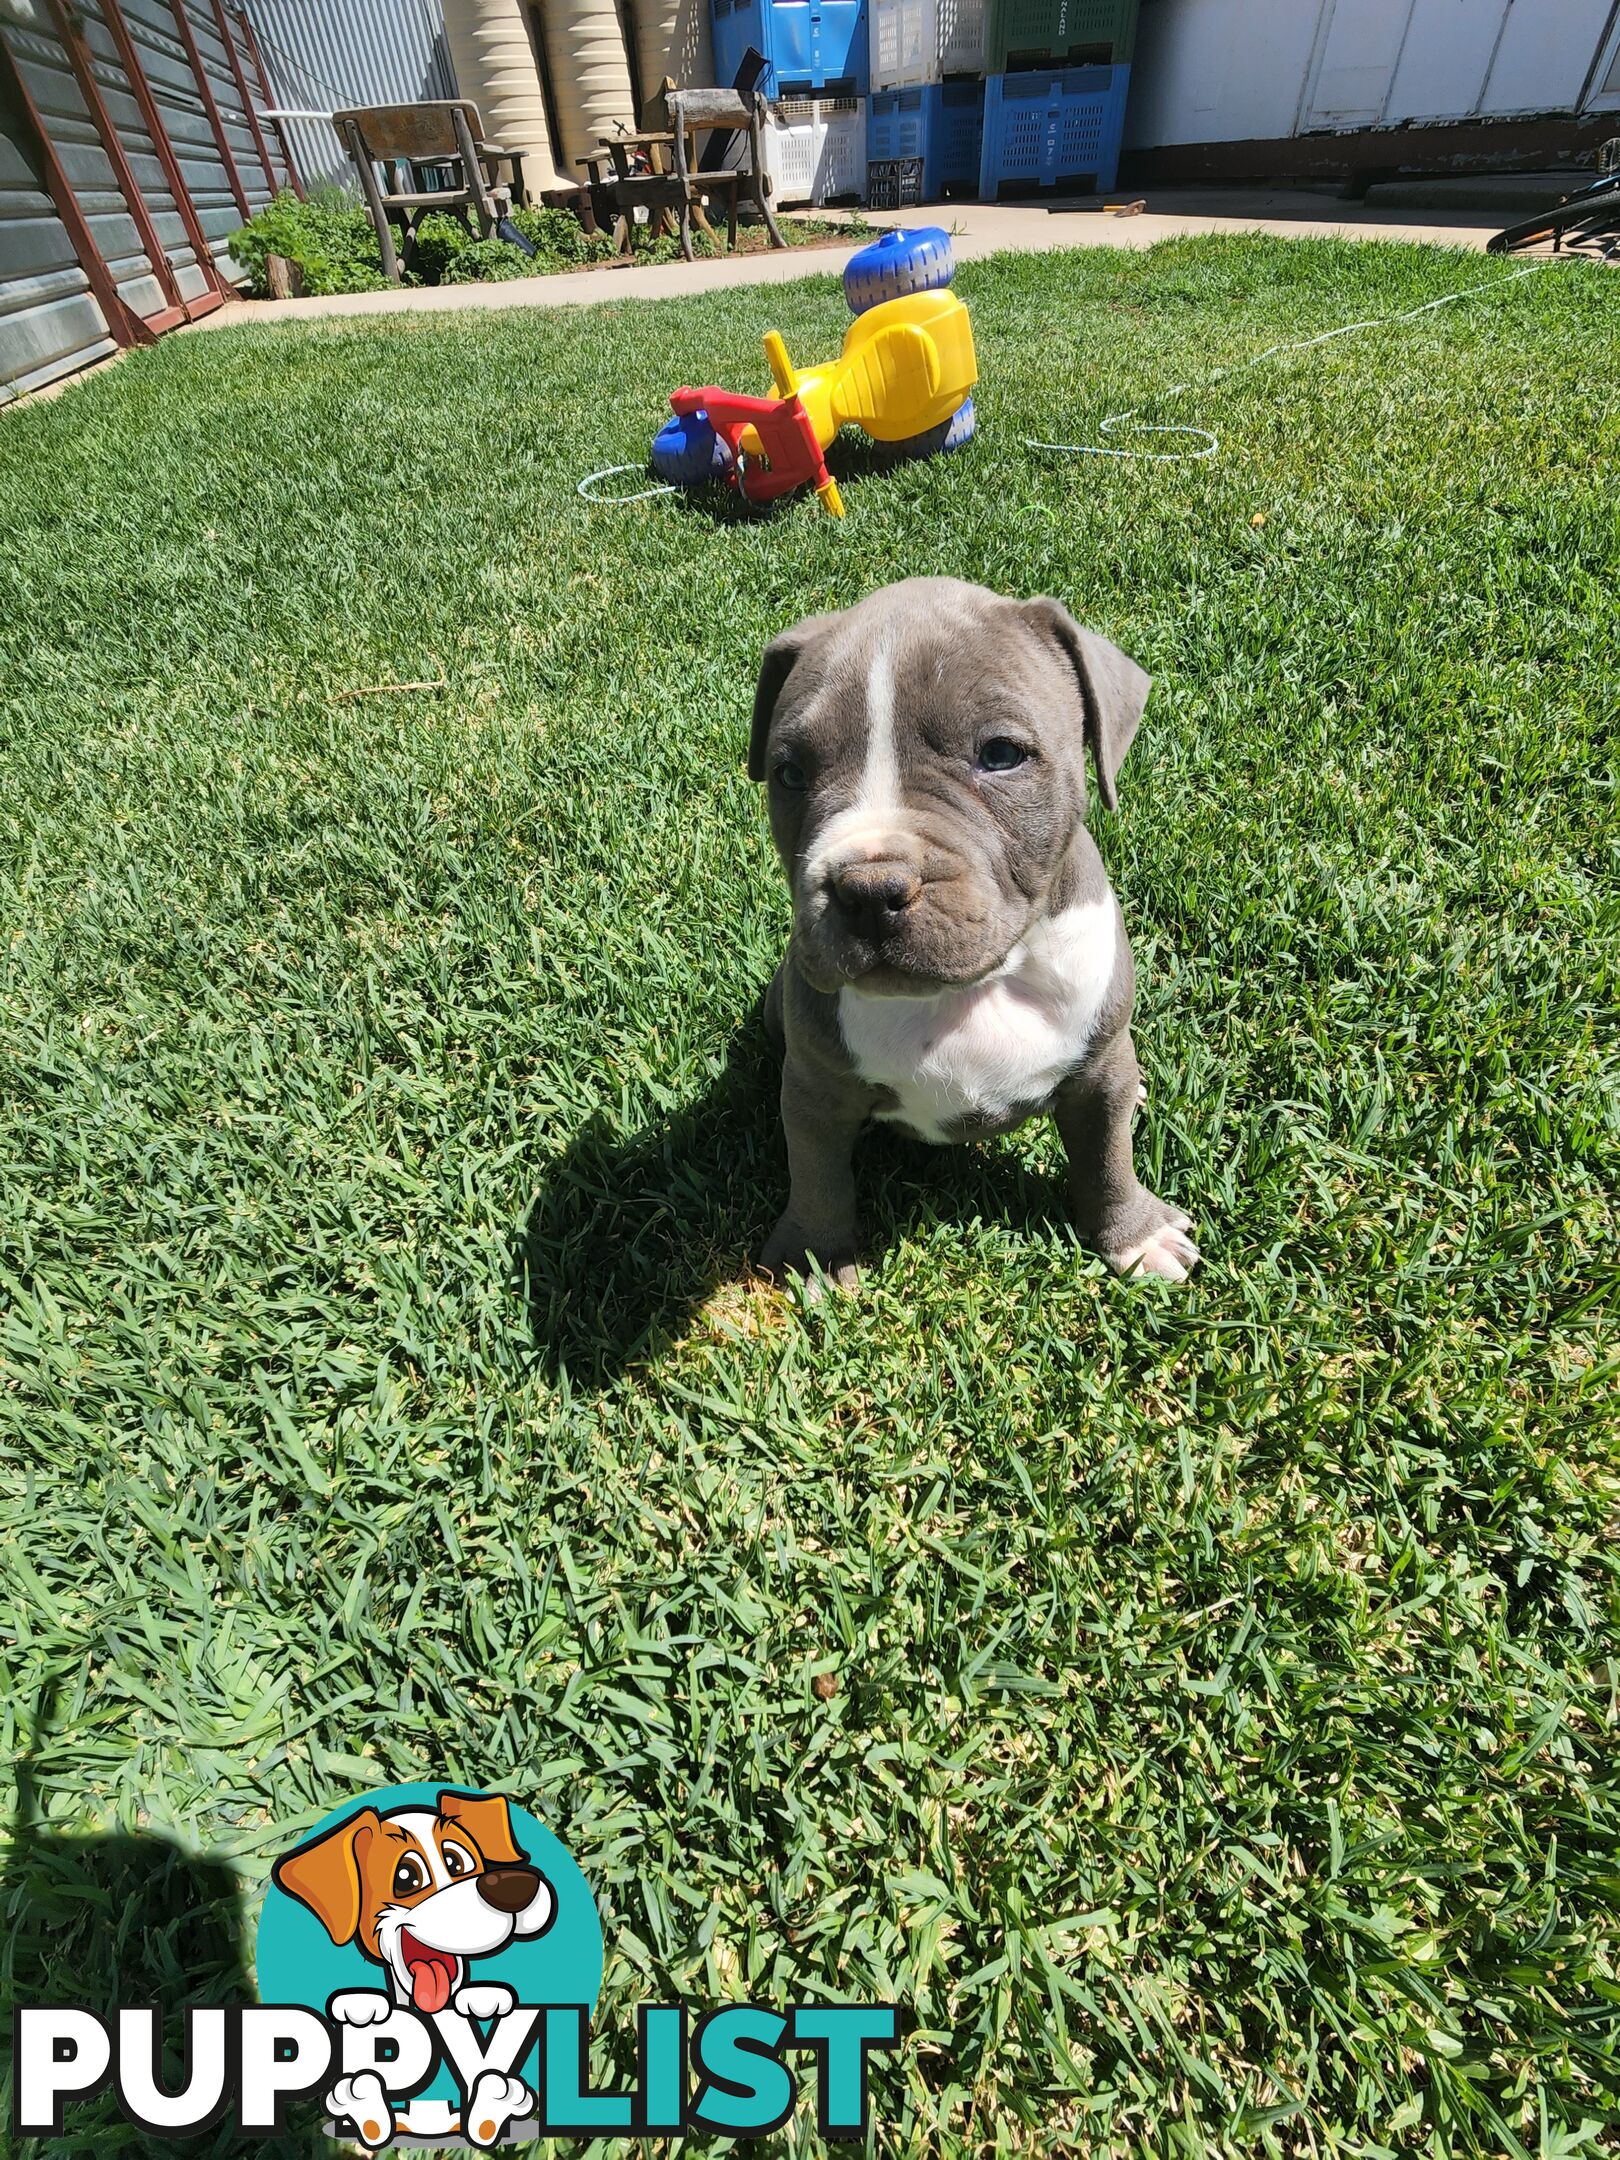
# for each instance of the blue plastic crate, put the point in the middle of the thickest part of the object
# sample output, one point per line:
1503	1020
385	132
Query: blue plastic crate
1050	128
811	46
941	123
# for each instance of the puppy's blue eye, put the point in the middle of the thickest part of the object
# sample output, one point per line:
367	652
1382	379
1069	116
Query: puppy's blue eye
1000	755
792	776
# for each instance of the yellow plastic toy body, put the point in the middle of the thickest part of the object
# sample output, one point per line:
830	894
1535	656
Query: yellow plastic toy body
906	366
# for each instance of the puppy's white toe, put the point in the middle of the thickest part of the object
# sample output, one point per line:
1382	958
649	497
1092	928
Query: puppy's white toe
1167	1252
485	1999
494	2102
361	2100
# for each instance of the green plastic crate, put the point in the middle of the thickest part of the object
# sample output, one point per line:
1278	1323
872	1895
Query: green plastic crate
1060	33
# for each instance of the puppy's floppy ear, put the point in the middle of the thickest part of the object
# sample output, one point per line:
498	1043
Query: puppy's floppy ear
1113	689
774	670
488	1822
325	1876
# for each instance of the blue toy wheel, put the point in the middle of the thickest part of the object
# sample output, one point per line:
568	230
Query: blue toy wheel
686	451
898	264
950	434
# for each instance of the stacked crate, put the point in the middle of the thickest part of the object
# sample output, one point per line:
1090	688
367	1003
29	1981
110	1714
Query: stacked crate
1054	104
925	118
995	97
815	79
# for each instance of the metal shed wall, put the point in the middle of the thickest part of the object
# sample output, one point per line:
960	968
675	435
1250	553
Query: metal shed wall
253	146
217	193
50	320
129	152
321	55
48	77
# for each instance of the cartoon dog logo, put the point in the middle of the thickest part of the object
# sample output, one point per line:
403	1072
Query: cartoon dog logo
422	1892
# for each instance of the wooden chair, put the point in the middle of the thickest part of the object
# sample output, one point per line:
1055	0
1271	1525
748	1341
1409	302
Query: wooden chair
656	168
695	112
419	137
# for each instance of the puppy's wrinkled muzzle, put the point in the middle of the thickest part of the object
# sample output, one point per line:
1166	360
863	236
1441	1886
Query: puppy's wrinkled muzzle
872	899
896	928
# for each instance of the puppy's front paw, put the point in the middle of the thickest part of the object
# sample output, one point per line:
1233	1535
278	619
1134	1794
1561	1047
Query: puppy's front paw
791	1251
485	1999
361	2100
494	2102
361	2006
1163	1249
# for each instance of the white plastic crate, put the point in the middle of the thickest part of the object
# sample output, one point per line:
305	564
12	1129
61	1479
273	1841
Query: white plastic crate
905	42
815	149
963	36
917	41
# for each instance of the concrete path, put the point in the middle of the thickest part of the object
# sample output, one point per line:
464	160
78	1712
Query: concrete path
979	229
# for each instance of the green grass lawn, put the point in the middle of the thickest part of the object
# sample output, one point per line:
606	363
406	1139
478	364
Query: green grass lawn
1196	1707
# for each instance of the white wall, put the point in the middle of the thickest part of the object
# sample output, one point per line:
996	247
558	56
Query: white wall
1546	52
1234	70
1218	70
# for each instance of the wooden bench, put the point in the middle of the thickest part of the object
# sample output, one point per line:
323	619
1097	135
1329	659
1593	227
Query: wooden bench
419	137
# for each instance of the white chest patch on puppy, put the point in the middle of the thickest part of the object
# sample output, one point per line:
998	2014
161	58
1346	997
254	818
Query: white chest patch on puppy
995	1046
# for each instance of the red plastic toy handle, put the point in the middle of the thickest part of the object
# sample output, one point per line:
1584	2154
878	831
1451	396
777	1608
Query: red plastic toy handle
793	457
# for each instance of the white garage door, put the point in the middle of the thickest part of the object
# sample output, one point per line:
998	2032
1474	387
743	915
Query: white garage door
1380	62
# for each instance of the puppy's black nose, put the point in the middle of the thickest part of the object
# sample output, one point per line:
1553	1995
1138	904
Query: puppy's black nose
508	1889
873	896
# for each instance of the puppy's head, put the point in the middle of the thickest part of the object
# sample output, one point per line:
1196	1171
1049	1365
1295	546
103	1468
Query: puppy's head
421	1891
924	758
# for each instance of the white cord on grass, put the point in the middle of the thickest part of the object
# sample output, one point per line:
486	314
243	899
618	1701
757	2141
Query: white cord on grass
1209	440
611	472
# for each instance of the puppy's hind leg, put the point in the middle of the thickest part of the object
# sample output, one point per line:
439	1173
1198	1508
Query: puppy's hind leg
494	2103
361	2100
1135	1231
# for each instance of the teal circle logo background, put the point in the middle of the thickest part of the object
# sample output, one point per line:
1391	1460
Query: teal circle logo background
298	1962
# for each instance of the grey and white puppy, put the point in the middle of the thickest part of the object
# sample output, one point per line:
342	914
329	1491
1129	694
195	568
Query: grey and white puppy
958	960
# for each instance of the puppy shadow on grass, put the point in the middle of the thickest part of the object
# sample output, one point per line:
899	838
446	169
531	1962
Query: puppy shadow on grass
628	1237
124	1920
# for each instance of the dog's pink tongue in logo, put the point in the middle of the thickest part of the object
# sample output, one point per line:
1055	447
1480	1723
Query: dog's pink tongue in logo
432	1974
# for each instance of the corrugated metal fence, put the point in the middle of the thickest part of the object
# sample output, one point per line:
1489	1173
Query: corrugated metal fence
321	55
131	147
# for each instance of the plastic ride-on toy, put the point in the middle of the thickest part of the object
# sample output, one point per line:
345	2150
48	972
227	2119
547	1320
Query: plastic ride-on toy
905	375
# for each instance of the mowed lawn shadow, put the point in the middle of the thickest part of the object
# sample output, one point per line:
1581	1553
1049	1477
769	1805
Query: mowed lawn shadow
629	1236
126	1920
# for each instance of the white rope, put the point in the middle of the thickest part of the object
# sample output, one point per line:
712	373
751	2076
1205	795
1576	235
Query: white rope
1210	441
611	472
